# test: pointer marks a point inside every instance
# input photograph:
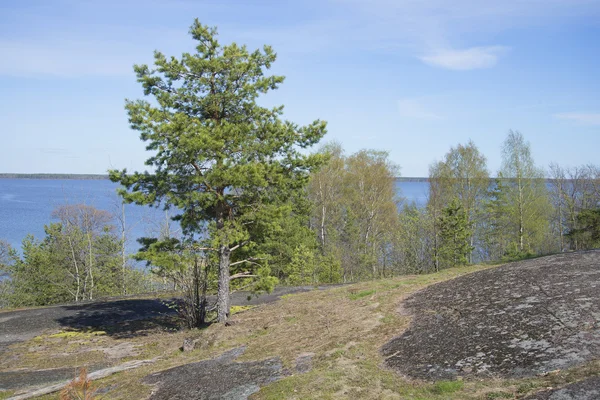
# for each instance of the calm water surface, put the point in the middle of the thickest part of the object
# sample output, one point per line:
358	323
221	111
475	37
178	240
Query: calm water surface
26	205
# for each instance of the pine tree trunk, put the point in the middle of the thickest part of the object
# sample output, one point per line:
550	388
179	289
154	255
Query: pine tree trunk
224	261
223	290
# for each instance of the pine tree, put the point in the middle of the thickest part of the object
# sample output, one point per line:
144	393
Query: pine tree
495	229
588	232
218	158
455	229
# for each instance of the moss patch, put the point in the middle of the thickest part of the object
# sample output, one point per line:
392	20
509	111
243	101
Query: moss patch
75	334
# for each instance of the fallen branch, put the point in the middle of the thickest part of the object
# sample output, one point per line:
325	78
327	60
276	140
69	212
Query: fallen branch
101	373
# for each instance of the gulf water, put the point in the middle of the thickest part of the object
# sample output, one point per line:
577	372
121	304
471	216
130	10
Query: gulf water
26	205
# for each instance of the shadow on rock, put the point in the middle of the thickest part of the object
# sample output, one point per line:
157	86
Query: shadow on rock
219	378
122	318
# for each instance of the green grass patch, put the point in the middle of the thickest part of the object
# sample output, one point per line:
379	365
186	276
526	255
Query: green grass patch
446	387
360	295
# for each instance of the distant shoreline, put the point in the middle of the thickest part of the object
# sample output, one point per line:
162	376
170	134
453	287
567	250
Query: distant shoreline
101	177
411	179
105	177
55	176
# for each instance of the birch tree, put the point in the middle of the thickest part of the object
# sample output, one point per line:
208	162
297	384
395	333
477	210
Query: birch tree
372	201
326	191
526	198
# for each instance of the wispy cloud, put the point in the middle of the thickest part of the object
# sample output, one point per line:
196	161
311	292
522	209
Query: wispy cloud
438	31
66	39
64	58
413	108
467	59
580	117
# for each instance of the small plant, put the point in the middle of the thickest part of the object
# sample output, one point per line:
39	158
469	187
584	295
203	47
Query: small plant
80	388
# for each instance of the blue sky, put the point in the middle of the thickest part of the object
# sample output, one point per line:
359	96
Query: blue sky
408	76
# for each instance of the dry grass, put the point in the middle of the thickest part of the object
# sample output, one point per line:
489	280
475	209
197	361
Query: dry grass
344	327
80	388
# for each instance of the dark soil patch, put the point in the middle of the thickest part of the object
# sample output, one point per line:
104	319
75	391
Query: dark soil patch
219	378
517	320
588	389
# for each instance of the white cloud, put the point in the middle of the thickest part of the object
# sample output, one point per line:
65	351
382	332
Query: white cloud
467	59
580	117
413	108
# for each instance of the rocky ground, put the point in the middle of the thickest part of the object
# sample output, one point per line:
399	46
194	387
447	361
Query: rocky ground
121	319
587	389
526	330
518	320
218	378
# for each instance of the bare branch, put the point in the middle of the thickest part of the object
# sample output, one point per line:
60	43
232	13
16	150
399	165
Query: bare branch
248	260
239	245
205	249
245	274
